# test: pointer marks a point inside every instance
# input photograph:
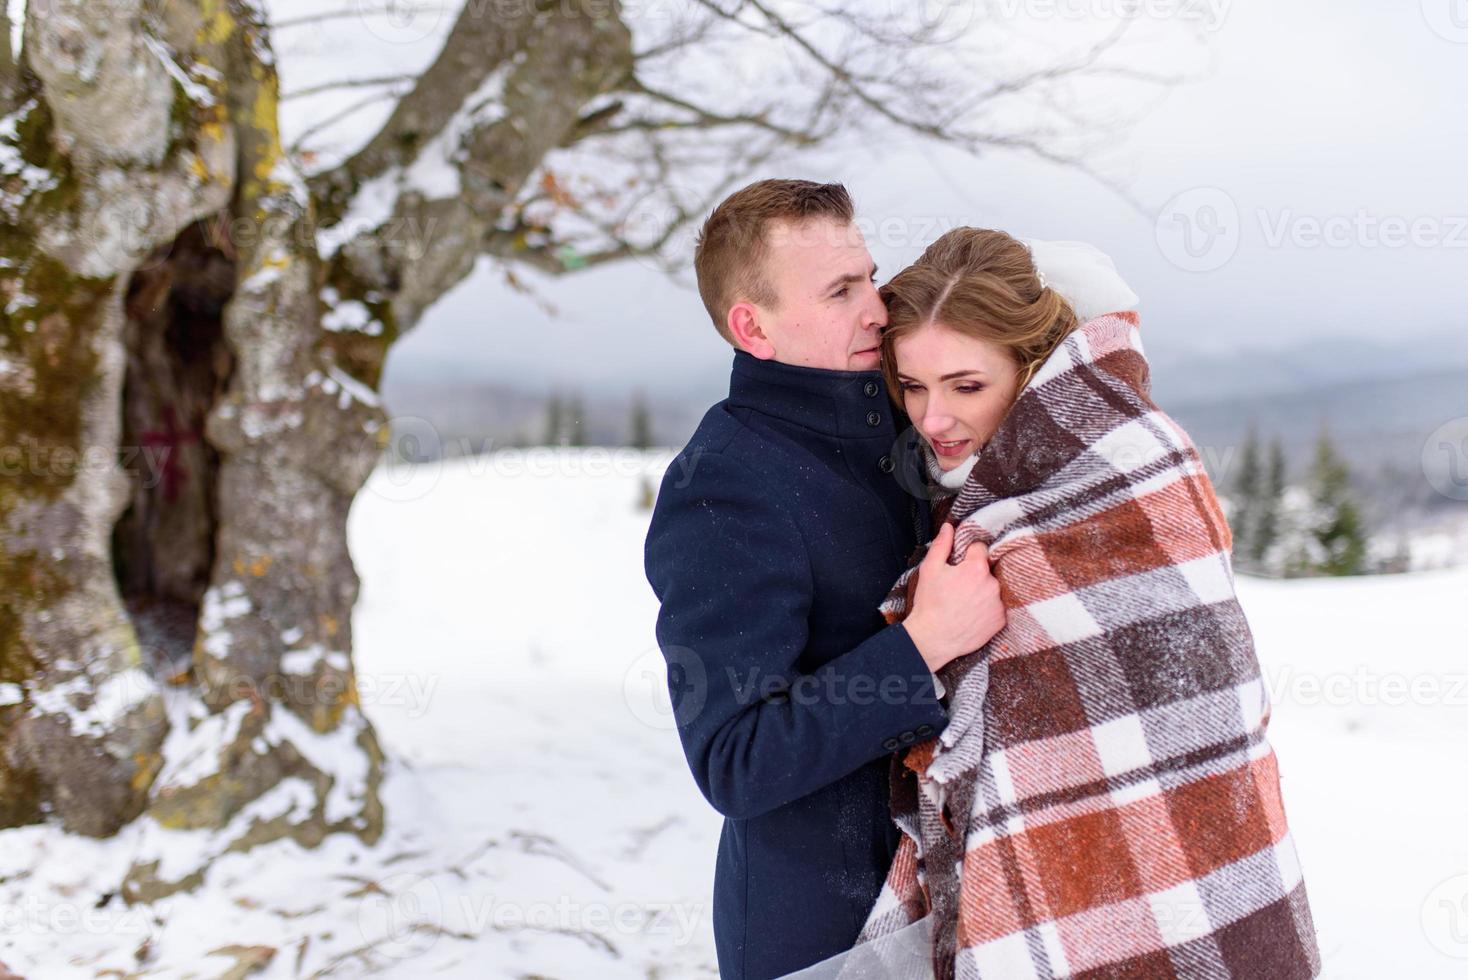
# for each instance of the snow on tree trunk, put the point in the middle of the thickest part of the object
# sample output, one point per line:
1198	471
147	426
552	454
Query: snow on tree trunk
279	746
215	529
182	318
96	156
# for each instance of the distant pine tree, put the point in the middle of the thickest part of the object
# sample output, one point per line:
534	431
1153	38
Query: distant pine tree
1248	493
555	421
1271	500
641	437
1339	528
1294	551
575	434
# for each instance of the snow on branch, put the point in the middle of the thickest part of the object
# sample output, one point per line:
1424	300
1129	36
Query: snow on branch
513	157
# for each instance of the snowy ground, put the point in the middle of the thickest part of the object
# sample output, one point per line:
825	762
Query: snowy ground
542	821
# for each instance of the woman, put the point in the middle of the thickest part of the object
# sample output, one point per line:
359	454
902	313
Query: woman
1103	801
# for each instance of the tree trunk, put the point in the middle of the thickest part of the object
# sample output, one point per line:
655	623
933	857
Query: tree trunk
175	587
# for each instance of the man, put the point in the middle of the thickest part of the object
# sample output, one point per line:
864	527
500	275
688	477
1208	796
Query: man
778	530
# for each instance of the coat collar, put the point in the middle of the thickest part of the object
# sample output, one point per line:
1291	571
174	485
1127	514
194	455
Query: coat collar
845	404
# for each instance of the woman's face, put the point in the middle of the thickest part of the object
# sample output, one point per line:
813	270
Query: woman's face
955	388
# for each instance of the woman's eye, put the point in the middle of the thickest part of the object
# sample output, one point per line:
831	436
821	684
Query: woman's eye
909	386
969	389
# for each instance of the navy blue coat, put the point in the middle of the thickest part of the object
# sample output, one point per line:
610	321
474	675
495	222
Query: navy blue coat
777	532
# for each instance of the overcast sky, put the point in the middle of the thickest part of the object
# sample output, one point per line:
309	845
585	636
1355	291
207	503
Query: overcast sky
1312	185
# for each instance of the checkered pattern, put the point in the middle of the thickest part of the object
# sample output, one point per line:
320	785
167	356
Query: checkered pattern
1103	801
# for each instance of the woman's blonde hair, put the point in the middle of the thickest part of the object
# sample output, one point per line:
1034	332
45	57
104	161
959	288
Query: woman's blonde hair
982	283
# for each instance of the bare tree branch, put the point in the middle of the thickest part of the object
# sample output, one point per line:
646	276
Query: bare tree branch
929	33
346	112
707	118
343	13
541	105
346	83
943	126
596	122
732	16
531	242
676	42
1084	63
843	74
482	40
651	130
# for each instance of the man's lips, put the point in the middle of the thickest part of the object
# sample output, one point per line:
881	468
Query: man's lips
956	447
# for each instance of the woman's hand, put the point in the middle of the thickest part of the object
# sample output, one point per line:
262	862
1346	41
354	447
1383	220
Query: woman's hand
956	608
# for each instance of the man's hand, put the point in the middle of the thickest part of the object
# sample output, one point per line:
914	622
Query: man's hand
956	608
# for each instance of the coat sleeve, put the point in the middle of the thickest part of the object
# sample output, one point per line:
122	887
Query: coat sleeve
730	569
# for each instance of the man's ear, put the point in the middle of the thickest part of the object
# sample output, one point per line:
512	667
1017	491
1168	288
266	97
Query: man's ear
744	327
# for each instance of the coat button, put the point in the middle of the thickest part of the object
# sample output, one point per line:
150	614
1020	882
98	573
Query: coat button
925	730
874	419
908	737
886	465
891	744
871	389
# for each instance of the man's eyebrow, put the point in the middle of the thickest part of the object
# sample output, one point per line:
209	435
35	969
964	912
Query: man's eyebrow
849	277
949	377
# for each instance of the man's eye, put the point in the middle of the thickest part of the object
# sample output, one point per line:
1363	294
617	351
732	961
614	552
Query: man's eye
840	292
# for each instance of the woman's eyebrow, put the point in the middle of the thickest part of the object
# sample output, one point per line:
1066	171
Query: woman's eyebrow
947	377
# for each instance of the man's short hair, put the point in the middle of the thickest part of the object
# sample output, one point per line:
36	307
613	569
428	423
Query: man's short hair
732	245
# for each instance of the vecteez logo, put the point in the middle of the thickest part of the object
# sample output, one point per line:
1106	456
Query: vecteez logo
1199	230
1447	18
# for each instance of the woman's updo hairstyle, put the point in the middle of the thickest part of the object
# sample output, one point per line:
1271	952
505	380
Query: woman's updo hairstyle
983	283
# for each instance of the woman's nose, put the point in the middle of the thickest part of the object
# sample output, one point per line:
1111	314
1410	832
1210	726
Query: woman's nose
935	423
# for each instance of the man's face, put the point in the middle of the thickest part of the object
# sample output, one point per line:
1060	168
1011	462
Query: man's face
828	314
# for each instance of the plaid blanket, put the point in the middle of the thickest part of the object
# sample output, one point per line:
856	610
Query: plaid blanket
1103	802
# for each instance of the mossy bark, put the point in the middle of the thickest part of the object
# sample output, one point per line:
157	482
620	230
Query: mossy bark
295	435
96	277
80	722
175	587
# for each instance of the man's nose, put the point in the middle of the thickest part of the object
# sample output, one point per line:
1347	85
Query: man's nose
876	310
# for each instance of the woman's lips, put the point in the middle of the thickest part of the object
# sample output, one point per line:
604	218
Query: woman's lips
950	449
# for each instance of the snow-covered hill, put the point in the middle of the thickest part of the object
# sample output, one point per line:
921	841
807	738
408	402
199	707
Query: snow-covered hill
541	818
